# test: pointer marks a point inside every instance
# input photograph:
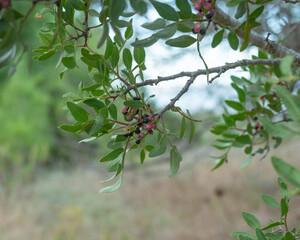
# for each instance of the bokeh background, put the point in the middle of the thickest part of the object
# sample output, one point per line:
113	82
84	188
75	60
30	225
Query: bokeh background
49	183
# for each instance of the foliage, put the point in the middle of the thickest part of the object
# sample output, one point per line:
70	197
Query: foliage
267	106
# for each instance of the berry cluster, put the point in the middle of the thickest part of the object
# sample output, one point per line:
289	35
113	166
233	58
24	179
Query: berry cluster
204	8
144	123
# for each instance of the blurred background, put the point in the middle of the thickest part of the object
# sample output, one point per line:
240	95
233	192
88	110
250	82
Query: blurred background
49	183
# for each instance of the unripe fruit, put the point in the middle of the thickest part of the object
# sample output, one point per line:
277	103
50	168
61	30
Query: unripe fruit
138	118
142	135
197	28
199	15
202	3
133	112
197	6
207	5
149	126
129	118
144	127
154	126
261	97
150	118
126	107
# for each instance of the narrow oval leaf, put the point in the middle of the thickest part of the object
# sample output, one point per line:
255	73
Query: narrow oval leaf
109	48
290	102
259	234
114	187
165	11
146	42
251	220
217	38
175	159
116	9
241	10
287	171
156	24
46	55
185	8
233	40
182	41
112	155
134	104
167	32
285	65
246	41
99	120
183	127
270	200
139	55
127	58
79	114
235	105
69	62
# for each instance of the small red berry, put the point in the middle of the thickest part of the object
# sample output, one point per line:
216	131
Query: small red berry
199	15
144	127
261	97
150	118
129	118
133	112
207	5
142	135
154	126
149	126
197	6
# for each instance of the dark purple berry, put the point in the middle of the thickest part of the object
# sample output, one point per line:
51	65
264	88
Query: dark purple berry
202	31
137	131
136	98
145	120
209	16
138	141
130	134
150	132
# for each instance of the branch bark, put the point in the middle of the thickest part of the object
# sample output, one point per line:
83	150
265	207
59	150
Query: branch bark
257	40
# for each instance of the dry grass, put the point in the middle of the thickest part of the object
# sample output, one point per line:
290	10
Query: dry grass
64	204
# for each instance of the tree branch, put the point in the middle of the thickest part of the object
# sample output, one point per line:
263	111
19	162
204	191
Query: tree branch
270	47
220	70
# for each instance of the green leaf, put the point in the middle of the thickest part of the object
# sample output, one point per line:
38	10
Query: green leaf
142	156
217	38
112	155
175	159
71	128
233	40
272	225
241	93
146	42
284	208
257	12
241	10
134	104
290	102
251	220
289	236
79	114
160	147
113	111
94	103
182	41
183	127
270	200
167	32
116	9
156	24
165	11
246	162
235	105
278	129
285	65
192	131
233	3
245	139
46	55
109	48
220	162
115	57
99	120
244	234
127	58
77	4
69	62
259	234
139	55
184	7
246	41
287	171
114	187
